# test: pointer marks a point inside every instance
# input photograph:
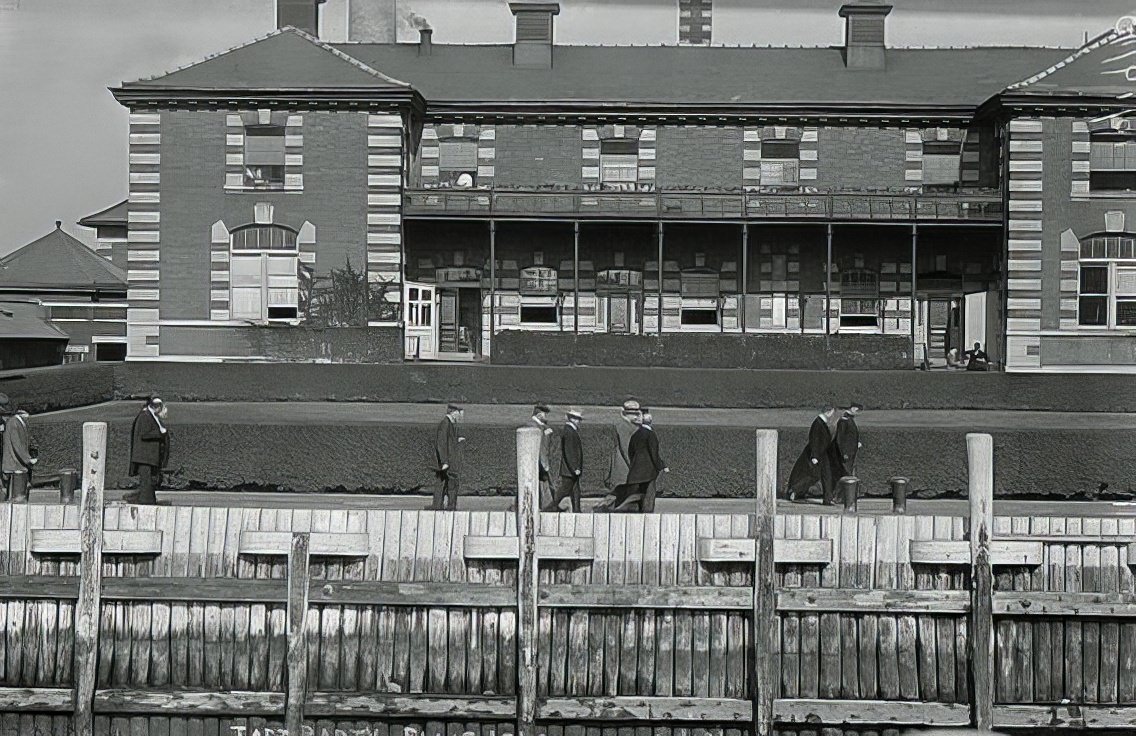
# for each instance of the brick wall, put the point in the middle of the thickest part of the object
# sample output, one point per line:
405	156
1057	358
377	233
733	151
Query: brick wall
699	157
531	155
860	158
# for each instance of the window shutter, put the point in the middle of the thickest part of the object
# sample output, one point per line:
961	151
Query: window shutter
1126	281
457	156
534	27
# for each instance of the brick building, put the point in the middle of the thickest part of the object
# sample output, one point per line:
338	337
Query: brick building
854	206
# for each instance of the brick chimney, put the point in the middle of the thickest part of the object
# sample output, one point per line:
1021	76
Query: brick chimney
864	45
302	14
533	45
425	41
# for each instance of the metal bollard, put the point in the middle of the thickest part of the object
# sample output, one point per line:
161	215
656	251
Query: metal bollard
899	494
850	491
68	481
18	491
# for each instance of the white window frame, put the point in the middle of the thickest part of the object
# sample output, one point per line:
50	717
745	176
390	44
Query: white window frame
251	182
278	281
540	302
619	168
1115	267
1113	140
780	172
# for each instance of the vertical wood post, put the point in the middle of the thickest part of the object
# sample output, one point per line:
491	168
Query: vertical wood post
827	284
492	282
743	276
914	270
297	653
764	596
90	576
980	461
660	226
576	276
528	488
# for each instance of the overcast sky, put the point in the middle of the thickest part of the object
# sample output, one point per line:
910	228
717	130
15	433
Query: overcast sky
63	137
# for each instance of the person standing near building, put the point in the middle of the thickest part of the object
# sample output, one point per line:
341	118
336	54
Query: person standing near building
645	466
149	451
812	475
447	452
619	462
5	412
540	421
571	463
847	442
17	452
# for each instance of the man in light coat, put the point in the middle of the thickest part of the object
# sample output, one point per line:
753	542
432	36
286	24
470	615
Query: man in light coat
619	462
17	454
540	421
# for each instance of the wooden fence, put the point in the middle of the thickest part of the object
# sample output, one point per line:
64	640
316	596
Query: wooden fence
192	620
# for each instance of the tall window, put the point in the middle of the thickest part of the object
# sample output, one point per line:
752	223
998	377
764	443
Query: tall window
263	274
779	163
1107	283
264	156
457	162
941	162
619	161
1112	162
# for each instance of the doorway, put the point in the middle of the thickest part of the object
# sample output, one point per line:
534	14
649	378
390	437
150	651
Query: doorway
944	320
459	323
421	336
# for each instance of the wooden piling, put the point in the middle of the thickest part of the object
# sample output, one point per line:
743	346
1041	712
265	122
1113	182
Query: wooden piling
980	463
766	629
90	576
528	486
297	651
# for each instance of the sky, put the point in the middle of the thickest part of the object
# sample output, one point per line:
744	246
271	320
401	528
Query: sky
63	137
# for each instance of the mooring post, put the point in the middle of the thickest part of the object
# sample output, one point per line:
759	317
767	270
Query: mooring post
898	494
90	576
528	488
764	595
296	625
980	463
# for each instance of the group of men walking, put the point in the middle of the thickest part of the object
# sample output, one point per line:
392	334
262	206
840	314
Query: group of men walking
633	468
829	455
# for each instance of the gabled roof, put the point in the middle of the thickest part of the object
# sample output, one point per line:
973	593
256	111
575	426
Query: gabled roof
286	59
21	320
113	215
59	261
1098	69
454	75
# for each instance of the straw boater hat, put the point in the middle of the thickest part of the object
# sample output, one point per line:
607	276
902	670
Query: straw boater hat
631	405
574	413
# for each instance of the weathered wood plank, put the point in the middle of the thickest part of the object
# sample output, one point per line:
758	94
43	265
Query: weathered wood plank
121	542
980	463
1049	603
189	702
1065	716
367	705
298	572
90	576
323	544
528	489
1003	552
879	600
36	700
563	595
785	551
871	712
765	622
547	548
720	710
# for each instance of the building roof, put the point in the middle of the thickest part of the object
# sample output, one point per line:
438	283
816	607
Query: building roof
1099	69
21	320
113	215
60	262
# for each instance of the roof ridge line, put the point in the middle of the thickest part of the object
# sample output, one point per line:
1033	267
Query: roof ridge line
208	57
1102	40
345	57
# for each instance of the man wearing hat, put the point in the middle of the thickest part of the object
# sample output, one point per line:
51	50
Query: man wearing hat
646	464
540	421
149	450
447	451
571	463
17	453
5	411
620	461
847	439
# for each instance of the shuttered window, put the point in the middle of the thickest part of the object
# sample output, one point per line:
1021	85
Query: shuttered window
534	26
1112	162
264	156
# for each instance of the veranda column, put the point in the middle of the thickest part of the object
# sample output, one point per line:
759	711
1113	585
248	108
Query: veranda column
660	294
828	283
914	245
743	278
576	276
492	281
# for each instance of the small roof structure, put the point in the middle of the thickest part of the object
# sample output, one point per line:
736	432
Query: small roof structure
113	215
25	320
59	262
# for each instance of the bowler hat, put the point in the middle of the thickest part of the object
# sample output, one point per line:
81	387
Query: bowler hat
542	407
453	407
6	406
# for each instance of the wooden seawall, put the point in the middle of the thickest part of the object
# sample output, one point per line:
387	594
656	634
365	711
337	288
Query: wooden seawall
228	621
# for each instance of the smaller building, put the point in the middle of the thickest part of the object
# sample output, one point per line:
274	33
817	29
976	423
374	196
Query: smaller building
83	294
27	340
110	233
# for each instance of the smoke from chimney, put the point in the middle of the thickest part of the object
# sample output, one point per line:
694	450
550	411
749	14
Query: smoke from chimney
416	21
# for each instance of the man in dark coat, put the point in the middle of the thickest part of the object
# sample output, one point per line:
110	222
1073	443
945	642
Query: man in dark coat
847	442
5	411
977	359
813	472
618	463
149	451
645	464
571	463
447	452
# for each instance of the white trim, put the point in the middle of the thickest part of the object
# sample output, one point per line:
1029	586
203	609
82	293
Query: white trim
108	305
109	339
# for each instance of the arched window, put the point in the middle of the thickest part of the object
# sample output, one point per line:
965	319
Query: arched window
263	273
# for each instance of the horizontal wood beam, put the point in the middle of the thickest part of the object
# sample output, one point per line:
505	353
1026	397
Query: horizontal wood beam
871	712
1003	552
324	544
645	596
189	702
115	542
362	705
458	595
785	551
36	699
1044	603
873	601
547	548
1065	716
710	710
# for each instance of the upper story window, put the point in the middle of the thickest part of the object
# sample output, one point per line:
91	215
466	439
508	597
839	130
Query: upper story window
1107	283
264	156
457	163
263	274
780	162
1112	161
941	163
619	161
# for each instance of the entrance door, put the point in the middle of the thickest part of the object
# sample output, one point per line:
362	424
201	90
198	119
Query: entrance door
942	318
622	314
421	321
